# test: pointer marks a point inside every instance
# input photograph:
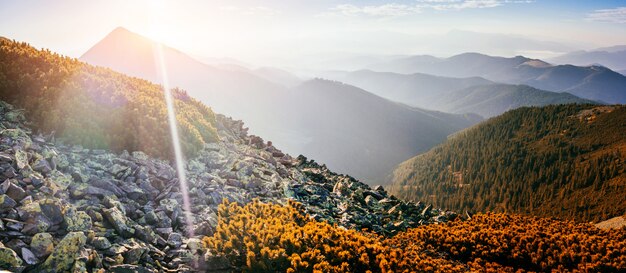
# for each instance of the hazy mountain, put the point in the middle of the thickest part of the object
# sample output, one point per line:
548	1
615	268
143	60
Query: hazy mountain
419	90
292	118
278	76
495	99
350	128
623	72
611	57
454	95
593	82
228	88
561	161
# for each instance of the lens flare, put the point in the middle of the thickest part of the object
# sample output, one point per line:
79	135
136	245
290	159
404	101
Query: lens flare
171	116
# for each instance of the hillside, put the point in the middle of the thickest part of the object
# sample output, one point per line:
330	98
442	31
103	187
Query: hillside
454	95
590	82
96	107
494	99
348	128
557	161
66	209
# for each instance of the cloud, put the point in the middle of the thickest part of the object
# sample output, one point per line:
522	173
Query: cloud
615	15
381	10
394	10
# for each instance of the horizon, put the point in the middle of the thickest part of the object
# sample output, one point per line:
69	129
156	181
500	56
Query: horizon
325	33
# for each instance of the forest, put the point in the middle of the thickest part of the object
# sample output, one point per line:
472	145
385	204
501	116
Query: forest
556	161
96	107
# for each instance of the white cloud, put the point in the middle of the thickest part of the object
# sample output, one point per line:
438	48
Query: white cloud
393	9
381	10
615	15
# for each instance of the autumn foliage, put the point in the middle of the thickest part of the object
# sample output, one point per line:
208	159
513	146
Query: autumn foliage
262	237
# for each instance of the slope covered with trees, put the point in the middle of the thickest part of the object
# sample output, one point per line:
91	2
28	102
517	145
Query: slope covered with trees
97	107
565	161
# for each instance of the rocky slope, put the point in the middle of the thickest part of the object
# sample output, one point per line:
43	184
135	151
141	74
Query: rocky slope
66	208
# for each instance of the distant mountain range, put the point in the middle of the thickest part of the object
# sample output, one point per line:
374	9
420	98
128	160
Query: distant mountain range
556	161
349	129
454	95
612	57
592	82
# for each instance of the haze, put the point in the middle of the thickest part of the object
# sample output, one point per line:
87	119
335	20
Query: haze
324	34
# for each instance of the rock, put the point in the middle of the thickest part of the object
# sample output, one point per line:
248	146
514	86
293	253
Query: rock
42	166
52	210
215	262
61	180
12	190
9	259
101	243
119	221
145	234
127	268
371	201
77	220
42	245
64	254
427	210
135	250
29	257
175	240
6	203
21	159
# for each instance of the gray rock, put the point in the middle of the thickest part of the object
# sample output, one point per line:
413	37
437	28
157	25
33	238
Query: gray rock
175	239
42	245
101	243
29	257
9	259
119	221
65	253
6	203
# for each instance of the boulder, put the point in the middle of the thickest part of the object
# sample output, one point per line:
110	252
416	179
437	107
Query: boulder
42	245
29	257
77	220
101	243
6	203
9	259
119	221
65	253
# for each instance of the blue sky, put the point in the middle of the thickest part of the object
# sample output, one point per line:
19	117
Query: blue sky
285	32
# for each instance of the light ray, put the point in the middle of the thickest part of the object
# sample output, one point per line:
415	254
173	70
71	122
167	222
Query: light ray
171	116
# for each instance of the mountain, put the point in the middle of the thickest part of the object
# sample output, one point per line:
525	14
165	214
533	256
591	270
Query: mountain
454	95
566	161
418	90
97	107
348	127
284	114
278	76
68	208
229	89
494	99
592	82
611	57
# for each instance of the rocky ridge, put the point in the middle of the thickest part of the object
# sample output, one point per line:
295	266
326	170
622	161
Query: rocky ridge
64	208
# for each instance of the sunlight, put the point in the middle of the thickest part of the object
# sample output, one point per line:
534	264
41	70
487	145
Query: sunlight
171	115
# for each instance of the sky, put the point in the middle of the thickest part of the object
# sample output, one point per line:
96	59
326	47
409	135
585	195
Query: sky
295	33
